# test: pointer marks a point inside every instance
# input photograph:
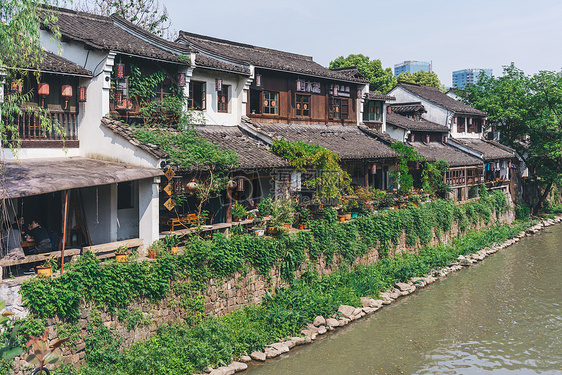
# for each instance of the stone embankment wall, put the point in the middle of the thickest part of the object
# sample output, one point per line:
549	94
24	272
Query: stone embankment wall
220	298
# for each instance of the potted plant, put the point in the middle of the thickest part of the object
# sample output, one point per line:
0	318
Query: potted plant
155	248
283	211
172	243
259	232
303	215
122	254
238	212
265	207
46	269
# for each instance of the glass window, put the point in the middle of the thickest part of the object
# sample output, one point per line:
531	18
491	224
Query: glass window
270	103
197	96
373	112
222	97
303	105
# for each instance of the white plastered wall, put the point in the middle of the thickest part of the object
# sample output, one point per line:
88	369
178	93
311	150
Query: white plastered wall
236	109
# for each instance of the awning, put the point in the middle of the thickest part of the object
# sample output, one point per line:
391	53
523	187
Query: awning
40	176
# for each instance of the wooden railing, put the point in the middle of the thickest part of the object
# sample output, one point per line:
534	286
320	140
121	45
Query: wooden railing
32	134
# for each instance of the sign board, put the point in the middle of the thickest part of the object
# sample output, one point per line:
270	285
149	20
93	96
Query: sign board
169	174
340	90
168	189
170	204
308	86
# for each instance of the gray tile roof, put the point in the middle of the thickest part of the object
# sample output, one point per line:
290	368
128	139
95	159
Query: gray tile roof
104	33
436	151
262	57
383	136
347	141
409	124
435	96
489	149
56	64
252	153
28	177
128	133
405	108
215	64
352	72
377	96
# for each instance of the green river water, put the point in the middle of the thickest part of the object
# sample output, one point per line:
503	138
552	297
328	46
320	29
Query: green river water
502	316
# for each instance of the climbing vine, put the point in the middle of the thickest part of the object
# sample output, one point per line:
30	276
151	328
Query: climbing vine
329	180
115	285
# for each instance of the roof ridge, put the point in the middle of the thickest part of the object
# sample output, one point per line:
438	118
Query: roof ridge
83	14
243	45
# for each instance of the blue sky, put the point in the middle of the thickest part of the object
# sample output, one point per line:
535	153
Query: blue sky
452	34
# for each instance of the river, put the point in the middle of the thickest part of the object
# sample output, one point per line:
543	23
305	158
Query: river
502	316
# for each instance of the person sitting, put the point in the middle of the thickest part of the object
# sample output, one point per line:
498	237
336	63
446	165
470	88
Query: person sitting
41	237
11	241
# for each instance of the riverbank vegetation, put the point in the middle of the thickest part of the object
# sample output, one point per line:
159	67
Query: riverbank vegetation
198	342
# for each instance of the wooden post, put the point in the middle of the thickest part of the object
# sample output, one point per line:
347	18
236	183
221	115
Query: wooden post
366	169
64	231
229	207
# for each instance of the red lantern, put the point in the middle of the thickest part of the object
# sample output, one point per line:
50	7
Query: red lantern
66	91
374	169
191	186
388	110
218	83
82	94
43	89
120	71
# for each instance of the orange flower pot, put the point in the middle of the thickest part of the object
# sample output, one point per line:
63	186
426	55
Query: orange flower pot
44	271
121	258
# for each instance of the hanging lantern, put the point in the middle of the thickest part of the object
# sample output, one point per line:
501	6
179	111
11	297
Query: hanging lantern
411	137
388	110
16	87
335	90
66	91
446	139
177	181
509	165
240	184
470	121
374	169
191	186
120	71
358	93
417	165
43	89
258	80
455	120
181	80
427	138
218	84
82	94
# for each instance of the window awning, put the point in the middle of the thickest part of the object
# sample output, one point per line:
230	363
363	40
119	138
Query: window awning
40	176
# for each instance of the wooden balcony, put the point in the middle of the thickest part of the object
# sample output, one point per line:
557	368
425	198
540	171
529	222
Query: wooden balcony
32	135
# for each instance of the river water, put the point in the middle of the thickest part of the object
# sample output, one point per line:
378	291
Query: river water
502	316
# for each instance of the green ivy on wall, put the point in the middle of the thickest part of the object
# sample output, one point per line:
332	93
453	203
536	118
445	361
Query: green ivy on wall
117	285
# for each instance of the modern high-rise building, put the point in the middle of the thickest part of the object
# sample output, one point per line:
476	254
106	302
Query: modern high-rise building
465	76
411	66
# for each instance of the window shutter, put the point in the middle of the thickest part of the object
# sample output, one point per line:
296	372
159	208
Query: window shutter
331	109
344	108
204	96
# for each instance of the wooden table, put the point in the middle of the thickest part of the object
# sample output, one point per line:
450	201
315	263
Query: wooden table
182	221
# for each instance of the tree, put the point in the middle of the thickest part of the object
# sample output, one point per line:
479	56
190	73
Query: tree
527	111
146	14
20	48
421	78
381	80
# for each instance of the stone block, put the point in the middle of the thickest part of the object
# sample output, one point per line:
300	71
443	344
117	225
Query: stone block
346	310
258	356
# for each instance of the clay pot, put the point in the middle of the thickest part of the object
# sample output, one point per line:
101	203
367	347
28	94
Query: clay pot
347	216
271	229
44	271
121	258
341	217
151	254
173	249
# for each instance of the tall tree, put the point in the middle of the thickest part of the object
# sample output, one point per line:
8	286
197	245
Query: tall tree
527	110
147	14
20	48
381	80
422	78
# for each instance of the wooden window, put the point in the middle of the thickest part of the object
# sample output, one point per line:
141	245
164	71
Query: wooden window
222	97
373	112
460	124
339	108
303	105
270	103
197	96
